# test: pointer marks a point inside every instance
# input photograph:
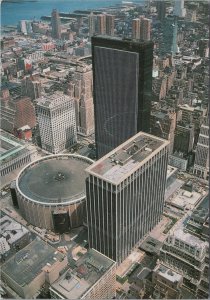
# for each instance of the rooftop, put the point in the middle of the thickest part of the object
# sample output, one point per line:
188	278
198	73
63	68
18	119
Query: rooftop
186	200
82	275
25	265
168	273
118	164
10	147
11	230
151	245
180	233
52	100
54	179
171	171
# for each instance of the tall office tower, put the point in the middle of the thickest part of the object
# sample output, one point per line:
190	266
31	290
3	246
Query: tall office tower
169	42
179	9
125	194
122	88
25	26
31	87
92	24
56	24
81	91
57	123
161	9
203	48
201	166
136	26
184	138
145	29
110	25
101	24
163	124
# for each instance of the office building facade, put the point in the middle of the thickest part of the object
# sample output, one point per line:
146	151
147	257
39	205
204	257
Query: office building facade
169	40
161	9
201	166
141	29
122	85
81	89
57	122
101	24
92	24
188	255
125	194
179	9
184	138
163	124
110	25
145	29
136	26
56	24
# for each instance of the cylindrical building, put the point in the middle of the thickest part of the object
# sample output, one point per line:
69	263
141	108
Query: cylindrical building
51	191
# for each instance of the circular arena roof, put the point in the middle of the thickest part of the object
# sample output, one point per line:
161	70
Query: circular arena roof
54	179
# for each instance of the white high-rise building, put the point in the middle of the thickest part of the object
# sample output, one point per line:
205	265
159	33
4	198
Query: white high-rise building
201	166
57	122
179	9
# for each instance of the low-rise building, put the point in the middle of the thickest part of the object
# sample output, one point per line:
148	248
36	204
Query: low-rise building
13	235
15	154
90	277
187	255
25	273
166	282
178	160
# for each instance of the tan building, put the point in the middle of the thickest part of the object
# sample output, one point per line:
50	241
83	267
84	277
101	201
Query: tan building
145	29
82	91
53	199
136	23
110	25
93	276
101	24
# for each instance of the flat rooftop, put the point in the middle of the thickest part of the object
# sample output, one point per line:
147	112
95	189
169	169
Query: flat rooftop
170	171
151	245
167	273
82	275
52	100
11	230
54	179
121	162
27	264
181	234
185	200
10	148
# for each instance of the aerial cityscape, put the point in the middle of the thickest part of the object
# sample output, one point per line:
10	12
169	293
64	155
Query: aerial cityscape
104	149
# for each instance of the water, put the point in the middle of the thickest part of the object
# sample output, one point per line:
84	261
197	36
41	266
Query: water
14	10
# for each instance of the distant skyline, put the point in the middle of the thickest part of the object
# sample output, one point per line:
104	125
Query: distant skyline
26	9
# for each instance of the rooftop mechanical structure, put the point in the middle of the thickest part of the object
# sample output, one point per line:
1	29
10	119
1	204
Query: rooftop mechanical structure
51	192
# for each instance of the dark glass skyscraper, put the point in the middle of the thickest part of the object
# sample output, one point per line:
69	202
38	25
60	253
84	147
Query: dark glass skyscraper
56	24
122	80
